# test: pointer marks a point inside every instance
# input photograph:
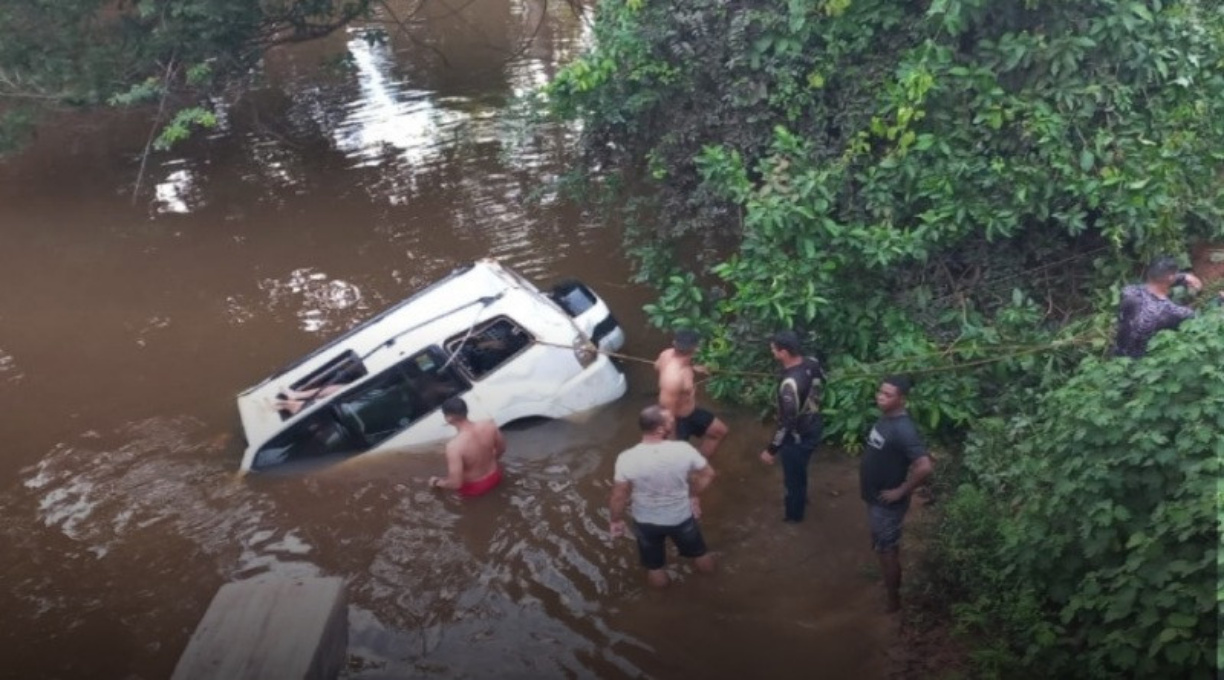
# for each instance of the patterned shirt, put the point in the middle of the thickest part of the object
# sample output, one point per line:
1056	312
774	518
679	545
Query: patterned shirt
798	402
1140	316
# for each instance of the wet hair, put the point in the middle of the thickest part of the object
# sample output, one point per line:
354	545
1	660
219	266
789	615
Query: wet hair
902	383
686	341
787	341
651	418
455	407
1160	268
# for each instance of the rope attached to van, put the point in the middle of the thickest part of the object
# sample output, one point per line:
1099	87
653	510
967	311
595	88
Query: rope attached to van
878	372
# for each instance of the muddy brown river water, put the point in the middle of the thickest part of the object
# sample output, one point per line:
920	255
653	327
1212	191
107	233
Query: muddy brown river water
348	177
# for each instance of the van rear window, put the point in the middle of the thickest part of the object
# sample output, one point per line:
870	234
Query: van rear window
573	297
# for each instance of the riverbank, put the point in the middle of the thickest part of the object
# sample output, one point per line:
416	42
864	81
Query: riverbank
788	600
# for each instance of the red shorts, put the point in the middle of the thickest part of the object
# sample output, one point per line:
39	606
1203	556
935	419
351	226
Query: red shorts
483	485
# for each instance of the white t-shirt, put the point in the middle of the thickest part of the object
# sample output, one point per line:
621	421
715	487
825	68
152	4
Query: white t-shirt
659	472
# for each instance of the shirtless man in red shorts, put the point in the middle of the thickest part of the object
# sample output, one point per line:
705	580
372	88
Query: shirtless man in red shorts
471	457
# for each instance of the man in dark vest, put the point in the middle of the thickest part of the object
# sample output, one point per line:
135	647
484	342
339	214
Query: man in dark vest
799	423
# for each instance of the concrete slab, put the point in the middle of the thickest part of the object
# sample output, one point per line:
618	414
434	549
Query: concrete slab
270	628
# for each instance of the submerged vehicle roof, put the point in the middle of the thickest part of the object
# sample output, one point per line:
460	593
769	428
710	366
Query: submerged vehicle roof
480	282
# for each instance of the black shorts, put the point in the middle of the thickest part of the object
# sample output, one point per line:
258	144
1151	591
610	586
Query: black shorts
652	541
694	424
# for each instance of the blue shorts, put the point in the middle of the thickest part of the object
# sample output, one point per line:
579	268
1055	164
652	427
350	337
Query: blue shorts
885	522
652	541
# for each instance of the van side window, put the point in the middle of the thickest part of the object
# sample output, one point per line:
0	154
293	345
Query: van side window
487	347
342	370
400	396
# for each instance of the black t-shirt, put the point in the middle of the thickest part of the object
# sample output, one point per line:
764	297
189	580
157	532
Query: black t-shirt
892	445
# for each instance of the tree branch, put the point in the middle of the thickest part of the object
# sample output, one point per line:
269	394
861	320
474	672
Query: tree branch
161	110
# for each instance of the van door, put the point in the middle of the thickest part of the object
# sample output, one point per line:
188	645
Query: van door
430	380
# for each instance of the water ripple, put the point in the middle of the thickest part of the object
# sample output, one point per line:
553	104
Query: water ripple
321	304
8	367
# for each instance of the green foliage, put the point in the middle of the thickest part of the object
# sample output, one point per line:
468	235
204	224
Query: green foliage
1084	540
891	177
179	128
92	52
145	91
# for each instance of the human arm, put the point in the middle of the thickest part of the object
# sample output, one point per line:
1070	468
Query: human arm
454	471
906	438
617	503
1188	280
699	479
788	414
499	442
1171	314
664	358
312	392
919	470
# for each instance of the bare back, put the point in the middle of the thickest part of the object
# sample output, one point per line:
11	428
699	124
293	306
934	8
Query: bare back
676	384
477	447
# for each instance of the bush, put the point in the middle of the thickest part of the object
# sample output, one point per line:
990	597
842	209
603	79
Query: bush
891	177
1083	540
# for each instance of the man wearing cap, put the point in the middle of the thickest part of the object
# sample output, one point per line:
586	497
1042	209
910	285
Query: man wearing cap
895	462
677	394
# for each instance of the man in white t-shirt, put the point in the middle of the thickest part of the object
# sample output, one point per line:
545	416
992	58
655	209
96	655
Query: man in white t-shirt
663	477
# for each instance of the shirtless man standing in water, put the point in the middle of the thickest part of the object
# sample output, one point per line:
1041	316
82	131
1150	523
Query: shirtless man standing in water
471	457
677	394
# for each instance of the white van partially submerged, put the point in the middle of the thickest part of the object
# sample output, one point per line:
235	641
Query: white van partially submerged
483	333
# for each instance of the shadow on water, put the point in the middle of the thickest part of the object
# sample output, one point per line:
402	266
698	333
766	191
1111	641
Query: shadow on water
322	197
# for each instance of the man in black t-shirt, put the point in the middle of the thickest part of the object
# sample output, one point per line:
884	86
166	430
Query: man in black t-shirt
895	462
799	422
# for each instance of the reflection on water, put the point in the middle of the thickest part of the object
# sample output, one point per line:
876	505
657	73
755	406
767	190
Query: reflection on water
390	121
321	304
8	367
176	194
